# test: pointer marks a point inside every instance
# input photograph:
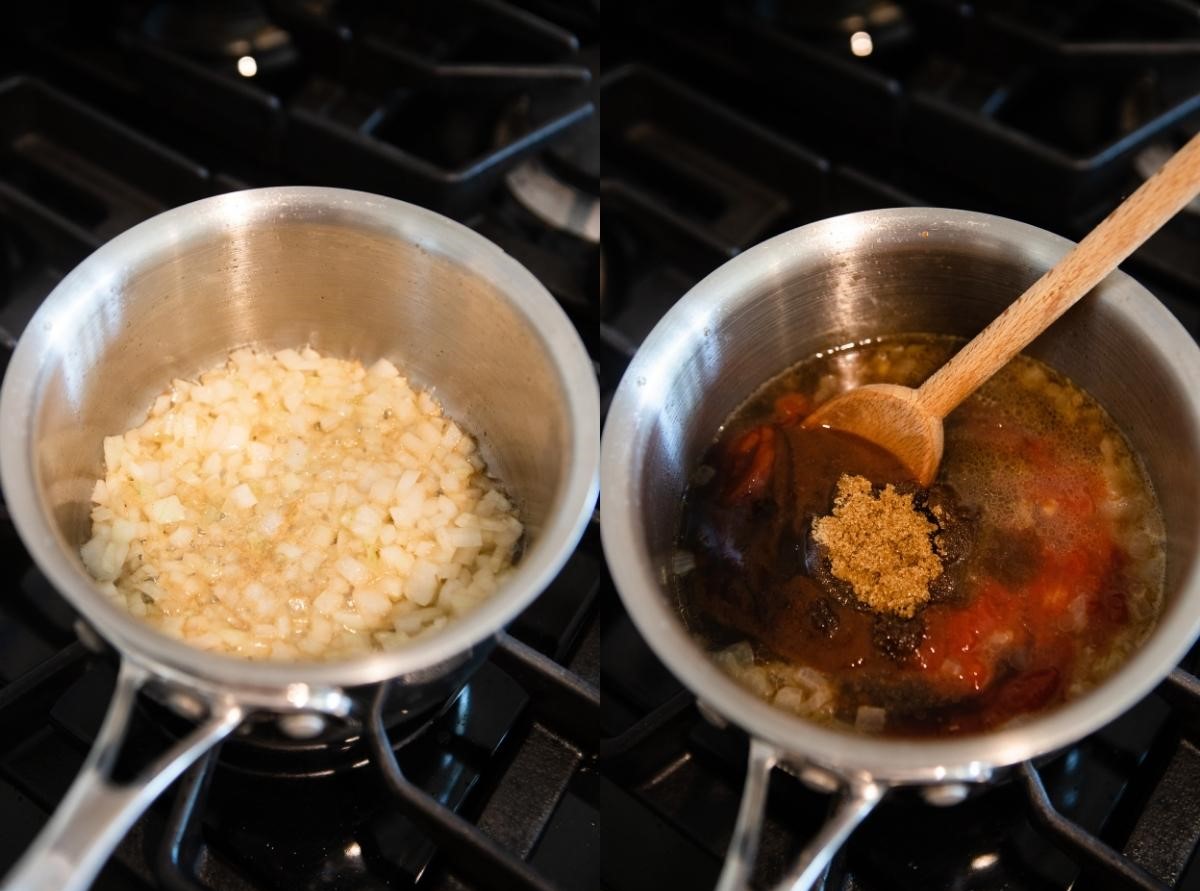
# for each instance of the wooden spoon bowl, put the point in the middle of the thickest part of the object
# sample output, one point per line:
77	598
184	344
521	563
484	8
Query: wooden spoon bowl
891	416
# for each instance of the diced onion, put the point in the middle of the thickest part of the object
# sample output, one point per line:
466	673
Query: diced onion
242	496
292	506
166	510
869	719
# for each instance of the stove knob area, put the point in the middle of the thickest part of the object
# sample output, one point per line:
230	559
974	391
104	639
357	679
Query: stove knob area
945	794
302	725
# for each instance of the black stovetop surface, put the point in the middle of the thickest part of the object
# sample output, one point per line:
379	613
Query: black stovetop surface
114	112
727	124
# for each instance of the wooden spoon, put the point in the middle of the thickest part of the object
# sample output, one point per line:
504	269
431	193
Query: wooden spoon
908	422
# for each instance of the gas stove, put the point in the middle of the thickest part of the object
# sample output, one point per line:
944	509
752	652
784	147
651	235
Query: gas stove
112	114
501	114
725	125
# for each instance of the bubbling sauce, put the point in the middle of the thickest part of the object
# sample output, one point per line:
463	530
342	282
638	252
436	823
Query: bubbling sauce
1048	529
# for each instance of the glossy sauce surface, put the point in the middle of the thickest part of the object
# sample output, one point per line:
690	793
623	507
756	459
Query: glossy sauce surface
1052	559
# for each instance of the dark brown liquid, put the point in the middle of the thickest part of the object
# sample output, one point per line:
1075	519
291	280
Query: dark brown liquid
1035	599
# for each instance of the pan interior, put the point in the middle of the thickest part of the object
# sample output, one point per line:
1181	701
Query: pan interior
862	276
351	275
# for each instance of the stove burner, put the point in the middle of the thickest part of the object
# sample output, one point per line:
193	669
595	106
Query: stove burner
862	26
272	755
220	32
1150	95
1148	161
562	186
555	202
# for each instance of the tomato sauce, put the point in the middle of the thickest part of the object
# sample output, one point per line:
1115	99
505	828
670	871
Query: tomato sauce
1051	540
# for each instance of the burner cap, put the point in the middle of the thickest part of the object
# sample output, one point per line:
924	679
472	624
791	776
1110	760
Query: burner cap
260	749
221	30
555	202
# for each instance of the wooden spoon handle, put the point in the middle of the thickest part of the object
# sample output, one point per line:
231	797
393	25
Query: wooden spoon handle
1105	247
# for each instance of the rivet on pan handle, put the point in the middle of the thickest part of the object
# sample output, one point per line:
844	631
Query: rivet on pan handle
97	812
858	798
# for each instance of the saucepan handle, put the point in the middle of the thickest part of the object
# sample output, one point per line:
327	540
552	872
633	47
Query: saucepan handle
857	798
97	812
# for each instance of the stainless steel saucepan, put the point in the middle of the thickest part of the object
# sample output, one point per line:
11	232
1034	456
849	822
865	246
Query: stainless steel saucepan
835	282
354	275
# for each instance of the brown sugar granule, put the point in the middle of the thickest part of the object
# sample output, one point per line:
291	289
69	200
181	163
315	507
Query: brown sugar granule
880	545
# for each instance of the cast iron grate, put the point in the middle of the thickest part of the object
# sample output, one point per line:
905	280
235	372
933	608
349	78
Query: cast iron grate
432	104
1028	116
218	822
701	183
1109	812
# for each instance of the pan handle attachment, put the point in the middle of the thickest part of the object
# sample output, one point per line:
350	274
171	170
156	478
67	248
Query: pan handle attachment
743	847
858	797
97	811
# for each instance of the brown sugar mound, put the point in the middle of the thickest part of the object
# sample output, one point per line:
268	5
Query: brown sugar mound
881	545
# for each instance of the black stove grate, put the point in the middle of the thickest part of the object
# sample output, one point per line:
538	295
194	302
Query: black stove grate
948	84
425	819
1116	810
222	818
490	83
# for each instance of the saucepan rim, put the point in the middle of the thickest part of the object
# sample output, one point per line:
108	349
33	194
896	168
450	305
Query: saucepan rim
103	270
766	268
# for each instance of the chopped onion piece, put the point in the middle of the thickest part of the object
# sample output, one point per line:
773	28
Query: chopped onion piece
243	497
166	510
870	719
